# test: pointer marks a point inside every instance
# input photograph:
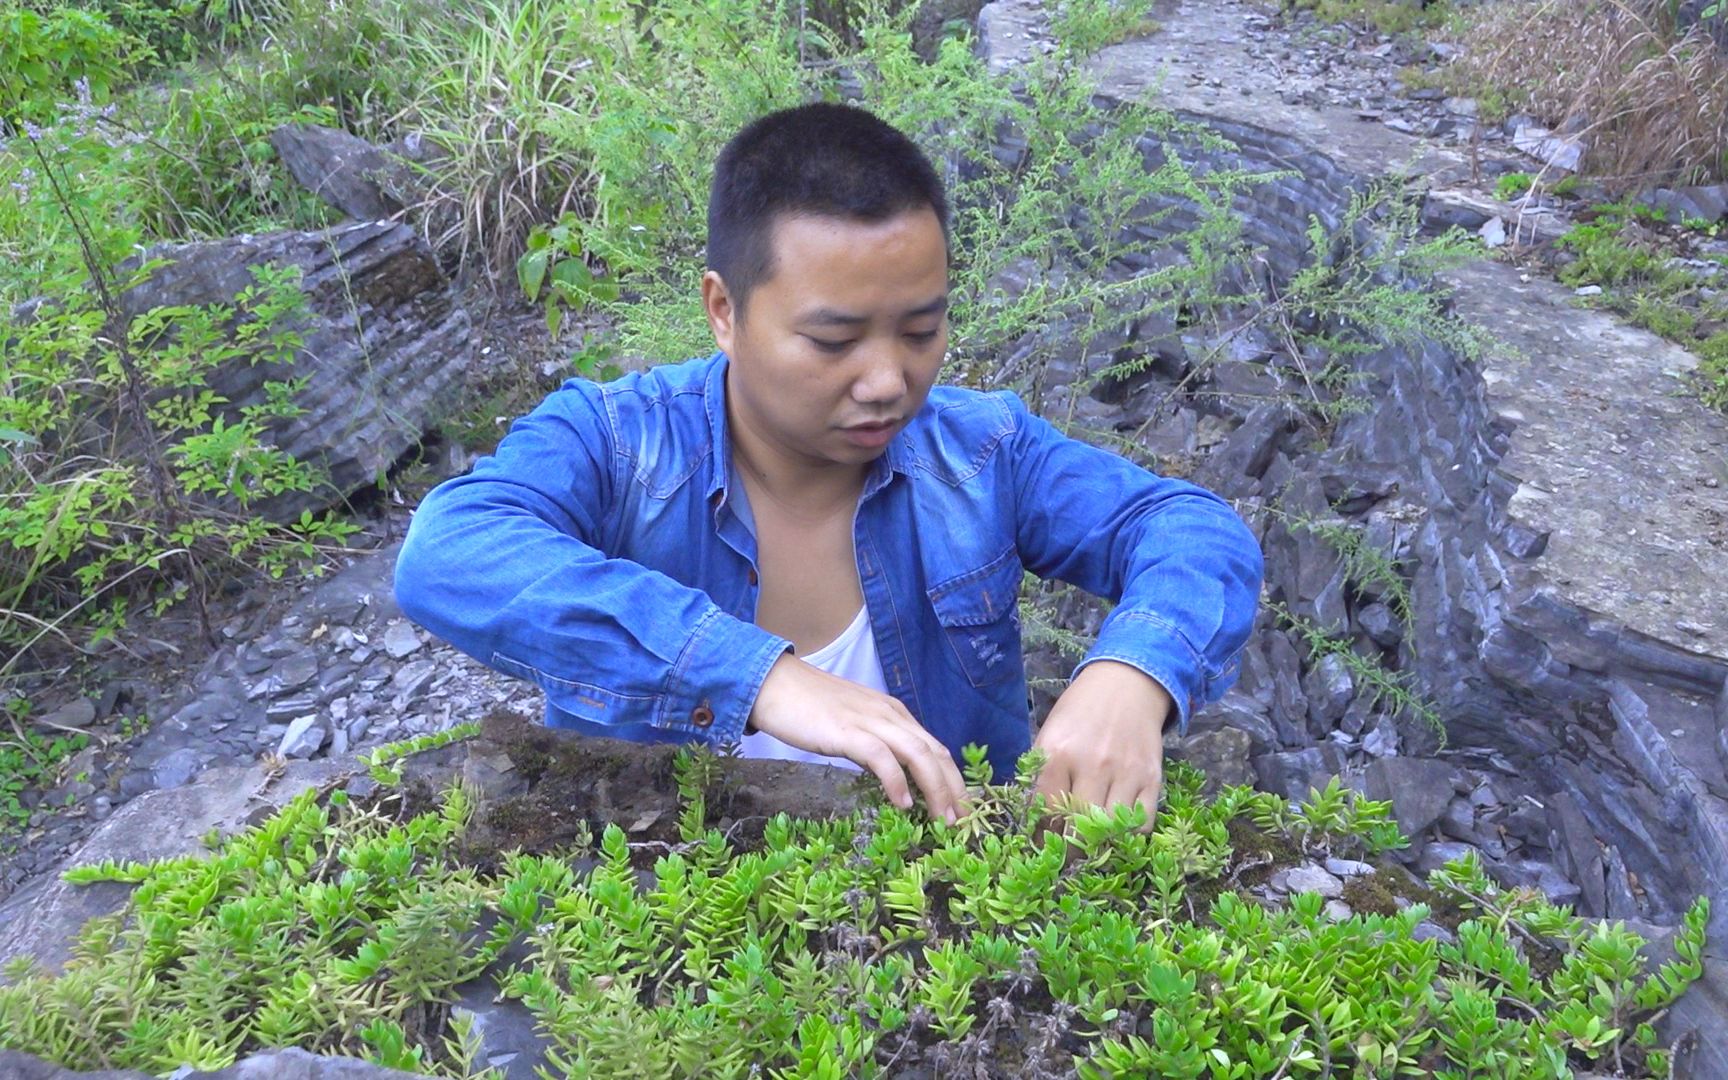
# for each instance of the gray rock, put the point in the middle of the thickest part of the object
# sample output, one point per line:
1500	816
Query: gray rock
401	640
1348	867
77	713
1445	209
1459	820
1438	854
357	730
41	918
1289	704
340	168
408	682
1534	874
177	768
1433	931
297	1064
1329	688
1418	788
1706	204
1294	773
368	398
1311	878
295	670
1337	910
1559	151
135	783
286	708
305	736
510	1038
17	1065
1244	714
1222	754
1382	742
338	742
1493	232
1378	621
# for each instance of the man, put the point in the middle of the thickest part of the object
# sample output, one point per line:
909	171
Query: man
801	545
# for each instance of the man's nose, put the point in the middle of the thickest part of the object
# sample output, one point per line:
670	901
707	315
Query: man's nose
883	380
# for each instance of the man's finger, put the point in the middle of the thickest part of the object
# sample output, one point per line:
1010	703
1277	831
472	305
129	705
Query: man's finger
877	756
1054	778
952	782
1149	800
931	767
1123	792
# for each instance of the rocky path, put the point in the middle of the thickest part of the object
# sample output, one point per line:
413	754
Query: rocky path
324	671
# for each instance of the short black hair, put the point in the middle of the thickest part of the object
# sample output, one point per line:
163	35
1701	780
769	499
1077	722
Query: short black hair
821	159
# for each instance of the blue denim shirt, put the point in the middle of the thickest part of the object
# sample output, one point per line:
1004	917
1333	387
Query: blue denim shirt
600	554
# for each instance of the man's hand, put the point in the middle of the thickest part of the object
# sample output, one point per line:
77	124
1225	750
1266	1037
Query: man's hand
1104	738
808	708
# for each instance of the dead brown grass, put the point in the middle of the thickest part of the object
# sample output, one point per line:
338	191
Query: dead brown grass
1650	101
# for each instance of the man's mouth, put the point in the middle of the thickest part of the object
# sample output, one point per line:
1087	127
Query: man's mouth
872	434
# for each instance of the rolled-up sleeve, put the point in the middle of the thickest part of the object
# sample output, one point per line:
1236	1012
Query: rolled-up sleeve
509	565
1182	568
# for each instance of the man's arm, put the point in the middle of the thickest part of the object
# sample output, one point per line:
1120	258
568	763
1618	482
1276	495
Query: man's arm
1185	573
506	564
1181	566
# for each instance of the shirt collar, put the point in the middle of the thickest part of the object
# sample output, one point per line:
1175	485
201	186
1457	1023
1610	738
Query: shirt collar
896	459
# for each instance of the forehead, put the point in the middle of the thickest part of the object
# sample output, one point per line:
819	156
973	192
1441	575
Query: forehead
823	251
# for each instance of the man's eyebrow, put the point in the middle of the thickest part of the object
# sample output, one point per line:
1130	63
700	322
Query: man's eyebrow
825	316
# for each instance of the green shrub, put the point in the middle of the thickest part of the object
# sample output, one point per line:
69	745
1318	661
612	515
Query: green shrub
1513	185
1713	370
43	53
117	462
831	948
589	180
27	759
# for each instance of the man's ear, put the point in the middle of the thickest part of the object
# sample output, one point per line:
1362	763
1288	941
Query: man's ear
722	313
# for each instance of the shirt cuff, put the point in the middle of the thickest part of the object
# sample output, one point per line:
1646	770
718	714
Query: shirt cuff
713	686
1154	646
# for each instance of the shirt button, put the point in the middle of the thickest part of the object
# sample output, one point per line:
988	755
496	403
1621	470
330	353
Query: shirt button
702	715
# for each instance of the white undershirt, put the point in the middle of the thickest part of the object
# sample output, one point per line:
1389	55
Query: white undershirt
851	656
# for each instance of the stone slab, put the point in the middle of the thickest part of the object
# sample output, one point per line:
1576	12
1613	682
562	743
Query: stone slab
43	918
1619	482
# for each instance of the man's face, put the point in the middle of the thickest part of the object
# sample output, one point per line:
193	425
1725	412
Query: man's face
840	345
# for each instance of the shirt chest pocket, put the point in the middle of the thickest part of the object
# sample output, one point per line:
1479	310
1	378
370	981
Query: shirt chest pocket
979	614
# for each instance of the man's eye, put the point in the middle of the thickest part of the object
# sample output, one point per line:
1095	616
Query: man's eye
924	337
831	346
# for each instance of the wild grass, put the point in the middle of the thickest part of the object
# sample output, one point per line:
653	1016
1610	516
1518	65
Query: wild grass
1649	99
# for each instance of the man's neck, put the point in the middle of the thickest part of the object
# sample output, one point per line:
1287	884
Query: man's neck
807	491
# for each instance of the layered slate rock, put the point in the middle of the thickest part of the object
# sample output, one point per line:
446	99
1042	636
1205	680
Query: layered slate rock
1553	509
383	352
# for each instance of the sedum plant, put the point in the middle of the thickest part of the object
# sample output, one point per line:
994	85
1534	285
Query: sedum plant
1026	940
